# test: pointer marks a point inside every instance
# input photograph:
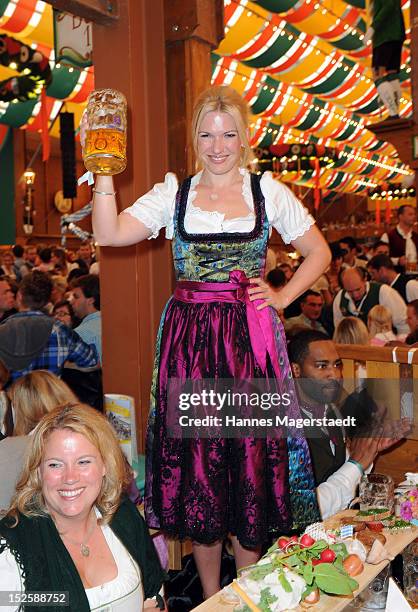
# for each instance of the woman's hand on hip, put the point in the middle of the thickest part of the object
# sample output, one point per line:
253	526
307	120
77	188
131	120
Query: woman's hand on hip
260	290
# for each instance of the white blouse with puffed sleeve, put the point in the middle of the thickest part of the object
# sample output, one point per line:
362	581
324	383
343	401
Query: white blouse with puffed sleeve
284	211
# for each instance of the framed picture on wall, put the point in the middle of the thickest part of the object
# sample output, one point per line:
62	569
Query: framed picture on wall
415	147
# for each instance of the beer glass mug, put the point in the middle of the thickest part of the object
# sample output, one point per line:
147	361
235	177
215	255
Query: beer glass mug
410	573
104	150
411	264
376	491
374	596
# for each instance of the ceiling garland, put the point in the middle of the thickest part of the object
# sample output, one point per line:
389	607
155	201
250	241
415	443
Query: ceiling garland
31	22
300	64
304	70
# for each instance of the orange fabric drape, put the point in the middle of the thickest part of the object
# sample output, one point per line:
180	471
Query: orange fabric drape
378	218
317	189
44	127
387	212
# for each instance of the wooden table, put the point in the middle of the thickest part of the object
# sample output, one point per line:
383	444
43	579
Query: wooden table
396	543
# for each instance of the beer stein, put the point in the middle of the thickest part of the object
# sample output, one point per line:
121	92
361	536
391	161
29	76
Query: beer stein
374	596
410	574
376	491
104	150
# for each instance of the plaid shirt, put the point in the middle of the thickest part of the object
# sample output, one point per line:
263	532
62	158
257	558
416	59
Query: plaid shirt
64	345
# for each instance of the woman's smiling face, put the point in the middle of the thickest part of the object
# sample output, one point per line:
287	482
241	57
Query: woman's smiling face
72	472
218	141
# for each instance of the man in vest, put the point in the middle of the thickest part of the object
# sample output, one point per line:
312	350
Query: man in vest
358	297
382	270
338	465
403	241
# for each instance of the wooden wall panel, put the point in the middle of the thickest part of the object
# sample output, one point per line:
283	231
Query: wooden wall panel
398	460
48	182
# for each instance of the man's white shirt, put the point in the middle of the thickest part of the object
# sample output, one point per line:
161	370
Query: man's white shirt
387	297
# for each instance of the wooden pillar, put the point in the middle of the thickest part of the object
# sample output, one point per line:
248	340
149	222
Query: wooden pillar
193	28
414	61
414	80
129	55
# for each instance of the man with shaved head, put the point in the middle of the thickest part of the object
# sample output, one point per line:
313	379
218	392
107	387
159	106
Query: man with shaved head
358	297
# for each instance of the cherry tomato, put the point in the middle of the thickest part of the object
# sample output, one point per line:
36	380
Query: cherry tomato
294	538
282	542
316	561
327	555
306	540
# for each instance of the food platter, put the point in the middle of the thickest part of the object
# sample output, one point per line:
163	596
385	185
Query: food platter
396	542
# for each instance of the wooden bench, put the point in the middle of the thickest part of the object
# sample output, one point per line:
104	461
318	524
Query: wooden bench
388	365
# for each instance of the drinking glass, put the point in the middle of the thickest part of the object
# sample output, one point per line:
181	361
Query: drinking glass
104	150
411	263
410	573
374	596
376	491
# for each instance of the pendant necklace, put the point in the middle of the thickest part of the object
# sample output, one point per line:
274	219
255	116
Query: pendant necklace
84	549
213	196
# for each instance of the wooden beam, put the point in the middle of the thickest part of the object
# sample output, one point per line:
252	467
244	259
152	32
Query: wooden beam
414	61
200	19
102	12
384	354
193	28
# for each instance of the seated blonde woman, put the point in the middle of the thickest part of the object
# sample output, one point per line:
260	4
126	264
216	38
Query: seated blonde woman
380	324
70	527
351	330
31	397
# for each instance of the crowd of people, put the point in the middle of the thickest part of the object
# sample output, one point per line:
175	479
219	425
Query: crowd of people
51	319
377	286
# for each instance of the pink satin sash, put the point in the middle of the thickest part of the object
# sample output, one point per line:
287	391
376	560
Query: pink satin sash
259	321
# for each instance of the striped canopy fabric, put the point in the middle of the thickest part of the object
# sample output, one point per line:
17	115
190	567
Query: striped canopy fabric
302	66
304	69
31	22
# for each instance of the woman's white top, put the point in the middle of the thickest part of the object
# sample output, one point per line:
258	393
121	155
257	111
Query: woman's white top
284	211
122	594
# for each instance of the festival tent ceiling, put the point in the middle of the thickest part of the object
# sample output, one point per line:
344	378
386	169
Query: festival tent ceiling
301	65
306	73
30	22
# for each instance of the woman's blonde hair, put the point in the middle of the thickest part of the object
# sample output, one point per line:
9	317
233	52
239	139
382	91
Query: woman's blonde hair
379	320
225	100
351	330
34	395
84	420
